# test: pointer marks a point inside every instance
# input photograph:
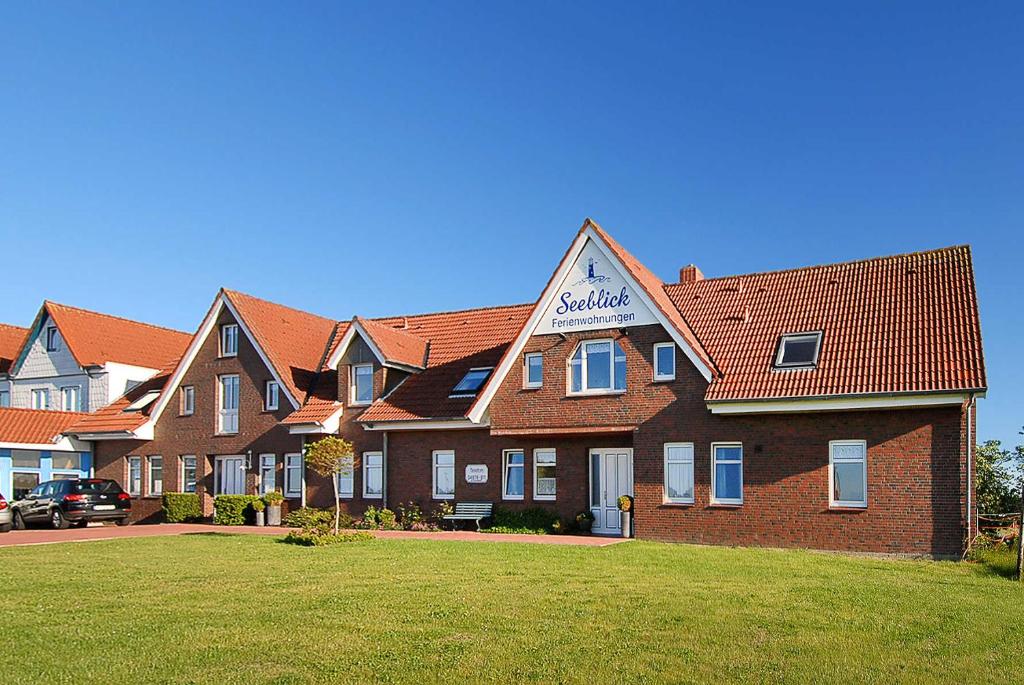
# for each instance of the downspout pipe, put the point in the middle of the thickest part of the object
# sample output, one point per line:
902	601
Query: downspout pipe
970	451
384	470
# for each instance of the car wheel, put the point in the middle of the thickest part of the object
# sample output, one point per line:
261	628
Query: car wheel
123	522
19	521
57	520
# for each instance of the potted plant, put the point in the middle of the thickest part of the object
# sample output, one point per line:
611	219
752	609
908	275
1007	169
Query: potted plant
585	521
273	501
625	510
258	506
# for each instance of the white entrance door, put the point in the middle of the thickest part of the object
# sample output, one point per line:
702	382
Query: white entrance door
230	476
611	476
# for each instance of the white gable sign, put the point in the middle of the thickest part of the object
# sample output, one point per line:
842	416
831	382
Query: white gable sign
594	295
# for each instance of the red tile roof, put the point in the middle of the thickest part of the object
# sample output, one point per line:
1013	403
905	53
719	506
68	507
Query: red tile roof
293	340
12	338
907	323
398	346
113	418
458	341
34	426
95	339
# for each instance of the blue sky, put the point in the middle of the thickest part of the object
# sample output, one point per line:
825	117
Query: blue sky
401	157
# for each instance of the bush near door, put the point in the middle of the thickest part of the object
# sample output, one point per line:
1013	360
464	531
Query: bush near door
181	507
234	510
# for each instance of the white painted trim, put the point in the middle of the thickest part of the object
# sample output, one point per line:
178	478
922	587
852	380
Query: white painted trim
259	350
660	378
330	425
149	475
425	424
527	384
846	504
782	406
433	475
64	444
266	396
222	330
504	475
554	453
693	473
352	387
584	390
260	462
787	337
293	494
366	467
726	500
181	472
511	357
355	327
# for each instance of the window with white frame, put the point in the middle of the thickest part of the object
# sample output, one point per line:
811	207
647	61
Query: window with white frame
597	366
679	472
373	475
155	484
187	397
188	473
229	340
135	476
444	474
227	419
293	475
270	396
346	478
665	361
362	384
513	477
52	339
40	398
798	350
848	473
70	398
726	473
268	473
533	370
5	398
544	481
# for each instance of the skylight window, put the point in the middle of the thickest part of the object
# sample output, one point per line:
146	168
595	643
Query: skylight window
798	350
472	382
144	401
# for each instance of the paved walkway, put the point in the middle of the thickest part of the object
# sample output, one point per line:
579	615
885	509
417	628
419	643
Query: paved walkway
46	536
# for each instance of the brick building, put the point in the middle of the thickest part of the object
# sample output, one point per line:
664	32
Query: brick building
828	407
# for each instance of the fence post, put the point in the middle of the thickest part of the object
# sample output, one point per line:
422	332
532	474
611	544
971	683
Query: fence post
1020	534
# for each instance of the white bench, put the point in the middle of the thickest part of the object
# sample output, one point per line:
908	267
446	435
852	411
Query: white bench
471	511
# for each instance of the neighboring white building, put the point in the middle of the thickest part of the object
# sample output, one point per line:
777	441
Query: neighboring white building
76	360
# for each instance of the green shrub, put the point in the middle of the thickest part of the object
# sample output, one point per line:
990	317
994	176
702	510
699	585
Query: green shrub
308	538
386	520
233	510
273	498
180	507
533	521
310	518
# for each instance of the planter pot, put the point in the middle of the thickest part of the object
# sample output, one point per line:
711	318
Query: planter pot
260	519
625	520
274	515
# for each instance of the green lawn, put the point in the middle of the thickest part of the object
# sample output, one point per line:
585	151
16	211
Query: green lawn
220	608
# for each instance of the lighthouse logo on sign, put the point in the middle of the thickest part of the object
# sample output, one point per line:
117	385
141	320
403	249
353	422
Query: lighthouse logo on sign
594	295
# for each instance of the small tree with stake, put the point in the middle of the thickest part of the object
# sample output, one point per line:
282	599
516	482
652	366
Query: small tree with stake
328	457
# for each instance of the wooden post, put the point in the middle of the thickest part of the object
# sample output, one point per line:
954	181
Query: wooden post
1020	534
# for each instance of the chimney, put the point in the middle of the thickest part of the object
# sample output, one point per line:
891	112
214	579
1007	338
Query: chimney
690	274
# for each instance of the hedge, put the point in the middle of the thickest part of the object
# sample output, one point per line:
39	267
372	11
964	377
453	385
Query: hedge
233	510
534	521
180	507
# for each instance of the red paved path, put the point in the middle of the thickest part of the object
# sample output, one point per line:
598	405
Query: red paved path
43	536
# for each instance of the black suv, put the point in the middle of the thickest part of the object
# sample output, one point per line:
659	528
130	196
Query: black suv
63	502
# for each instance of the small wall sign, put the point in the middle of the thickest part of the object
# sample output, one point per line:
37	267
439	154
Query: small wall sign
476	473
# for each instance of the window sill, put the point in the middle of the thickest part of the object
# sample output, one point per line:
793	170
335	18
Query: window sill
226	435
532	387
594	393
545	499
847	507
512	499
725	505
443	499
664	380
680	505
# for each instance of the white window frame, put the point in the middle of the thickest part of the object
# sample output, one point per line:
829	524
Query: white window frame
367	467
134	478
353	386
228	333
43	393
77	392
659	377
434	466
222	412
584	380
527	383
691	461
714	461
267	459
863	460
347	491
294	464
150	490
187	400
794	337
536	480
182	481
52	342
271	391
505	466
